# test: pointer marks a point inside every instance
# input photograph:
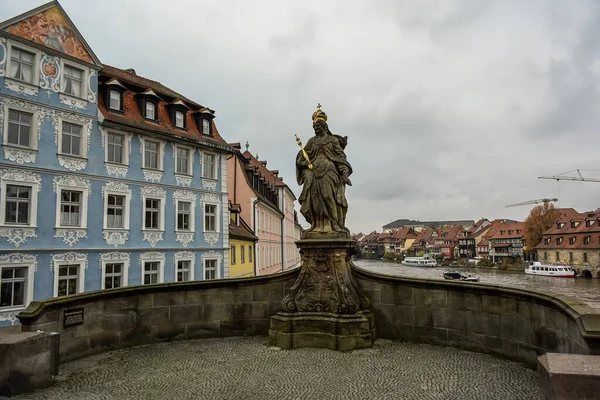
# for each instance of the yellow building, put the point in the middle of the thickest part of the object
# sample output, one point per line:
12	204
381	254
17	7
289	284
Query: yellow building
242	246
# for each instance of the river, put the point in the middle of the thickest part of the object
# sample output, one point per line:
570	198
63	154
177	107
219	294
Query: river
587	290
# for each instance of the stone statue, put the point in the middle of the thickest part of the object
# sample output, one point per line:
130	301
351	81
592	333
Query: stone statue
322	169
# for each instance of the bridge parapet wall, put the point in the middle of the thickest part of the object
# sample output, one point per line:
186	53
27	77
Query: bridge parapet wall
517	324
136	315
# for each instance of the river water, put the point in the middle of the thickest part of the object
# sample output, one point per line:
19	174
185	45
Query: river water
587	290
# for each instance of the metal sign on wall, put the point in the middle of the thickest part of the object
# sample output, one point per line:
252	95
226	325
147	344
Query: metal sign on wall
73	317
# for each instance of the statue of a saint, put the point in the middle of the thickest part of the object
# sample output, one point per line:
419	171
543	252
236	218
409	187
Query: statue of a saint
323	170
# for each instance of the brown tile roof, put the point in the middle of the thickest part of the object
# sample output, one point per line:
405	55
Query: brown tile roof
275	181
509	230
404	233
132	115
242	232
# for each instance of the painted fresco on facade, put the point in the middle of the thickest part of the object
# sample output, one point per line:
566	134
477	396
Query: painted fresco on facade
50	29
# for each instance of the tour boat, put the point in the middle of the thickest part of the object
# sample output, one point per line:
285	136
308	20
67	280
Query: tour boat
559	271
457	276
425	261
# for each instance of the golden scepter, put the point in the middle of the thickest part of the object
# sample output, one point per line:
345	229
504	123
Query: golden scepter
303	152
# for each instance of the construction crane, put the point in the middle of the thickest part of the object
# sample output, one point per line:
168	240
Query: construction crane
565	177
537	201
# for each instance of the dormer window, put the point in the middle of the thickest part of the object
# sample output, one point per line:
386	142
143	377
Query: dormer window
150	112
547	241
572	240
179	119
559	240
586	240
114	100
518	231
205	127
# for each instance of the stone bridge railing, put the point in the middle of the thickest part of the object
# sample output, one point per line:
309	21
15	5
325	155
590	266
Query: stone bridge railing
517	324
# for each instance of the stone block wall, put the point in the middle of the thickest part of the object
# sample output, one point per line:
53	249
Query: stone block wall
517	324
138	315
593	258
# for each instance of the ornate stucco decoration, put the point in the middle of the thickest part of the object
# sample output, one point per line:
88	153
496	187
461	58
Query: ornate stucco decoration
4	56
75	181
115	256
152	176
17	236
50	73
152	237
20	156
91	94
211	254
116	186
19	258
153	191
184	238
117	171
211	198
68	258
18	175
211	238
71	235
21	88
72	163
184	195
151	255
183	180
209	184
184	255
73	102
115	237
9	316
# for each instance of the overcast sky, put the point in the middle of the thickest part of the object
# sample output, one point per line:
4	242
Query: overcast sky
452	108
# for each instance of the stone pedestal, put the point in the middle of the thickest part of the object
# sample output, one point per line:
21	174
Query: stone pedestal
324	308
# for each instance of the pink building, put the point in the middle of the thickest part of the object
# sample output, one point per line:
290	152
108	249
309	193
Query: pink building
267	205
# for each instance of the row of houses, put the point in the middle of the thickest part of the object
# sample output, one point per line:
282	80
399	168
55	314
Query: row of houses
497	240
110	179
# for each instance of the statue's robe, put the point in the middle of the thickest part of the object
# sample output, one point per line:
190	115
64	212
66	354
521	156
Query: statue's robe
323	194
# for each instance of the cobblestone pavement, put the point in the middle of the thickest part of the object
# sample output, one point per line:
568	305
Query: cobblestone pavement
248	368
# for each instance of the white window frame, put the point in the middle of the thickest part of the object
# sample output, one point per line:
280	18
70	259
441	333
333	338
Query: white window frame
36	64
216	166
206	124
84	205
123	258
161	153
190	162
217	219
217	272
84	138
29	287
155	117
126	144
33	140
185	256
80	274
120	99
183	115
126	209
161	269
33	205
192	215
161	227
84	78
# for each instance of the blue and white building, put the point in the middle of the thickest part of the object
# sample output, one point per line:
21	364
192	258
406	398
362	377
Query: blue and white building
107	179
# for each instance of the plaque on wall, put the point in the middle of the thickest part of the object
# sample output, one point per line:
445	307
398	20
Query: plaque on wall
73	317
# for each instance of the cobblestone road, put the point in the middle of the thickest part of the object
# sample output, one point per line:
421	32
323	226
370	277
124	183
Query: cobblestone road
247	368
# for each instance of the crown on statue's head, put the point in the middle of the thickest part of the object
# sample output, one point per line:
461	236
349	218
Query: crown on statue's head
319	114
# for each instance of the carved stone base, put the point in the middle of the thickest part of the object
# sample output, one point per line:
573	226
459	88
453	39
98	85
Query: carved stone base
344	332
325	307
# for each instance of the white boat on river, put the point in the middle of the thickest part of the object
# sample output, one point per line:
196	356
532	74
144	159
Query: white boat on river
425	261
559	271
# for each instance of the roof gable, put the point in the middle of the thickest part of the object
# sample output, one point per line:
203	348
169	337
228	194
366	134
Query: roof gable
50	26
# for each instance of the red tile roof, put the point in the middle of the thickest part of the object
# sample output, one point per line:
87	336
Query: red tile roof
404	233
132	115
269	176
241	231
509	230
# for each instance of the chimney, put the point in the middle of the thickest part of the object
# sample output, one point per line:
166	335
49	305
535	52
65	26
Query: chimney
236	146
264	163
275	172
131	71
